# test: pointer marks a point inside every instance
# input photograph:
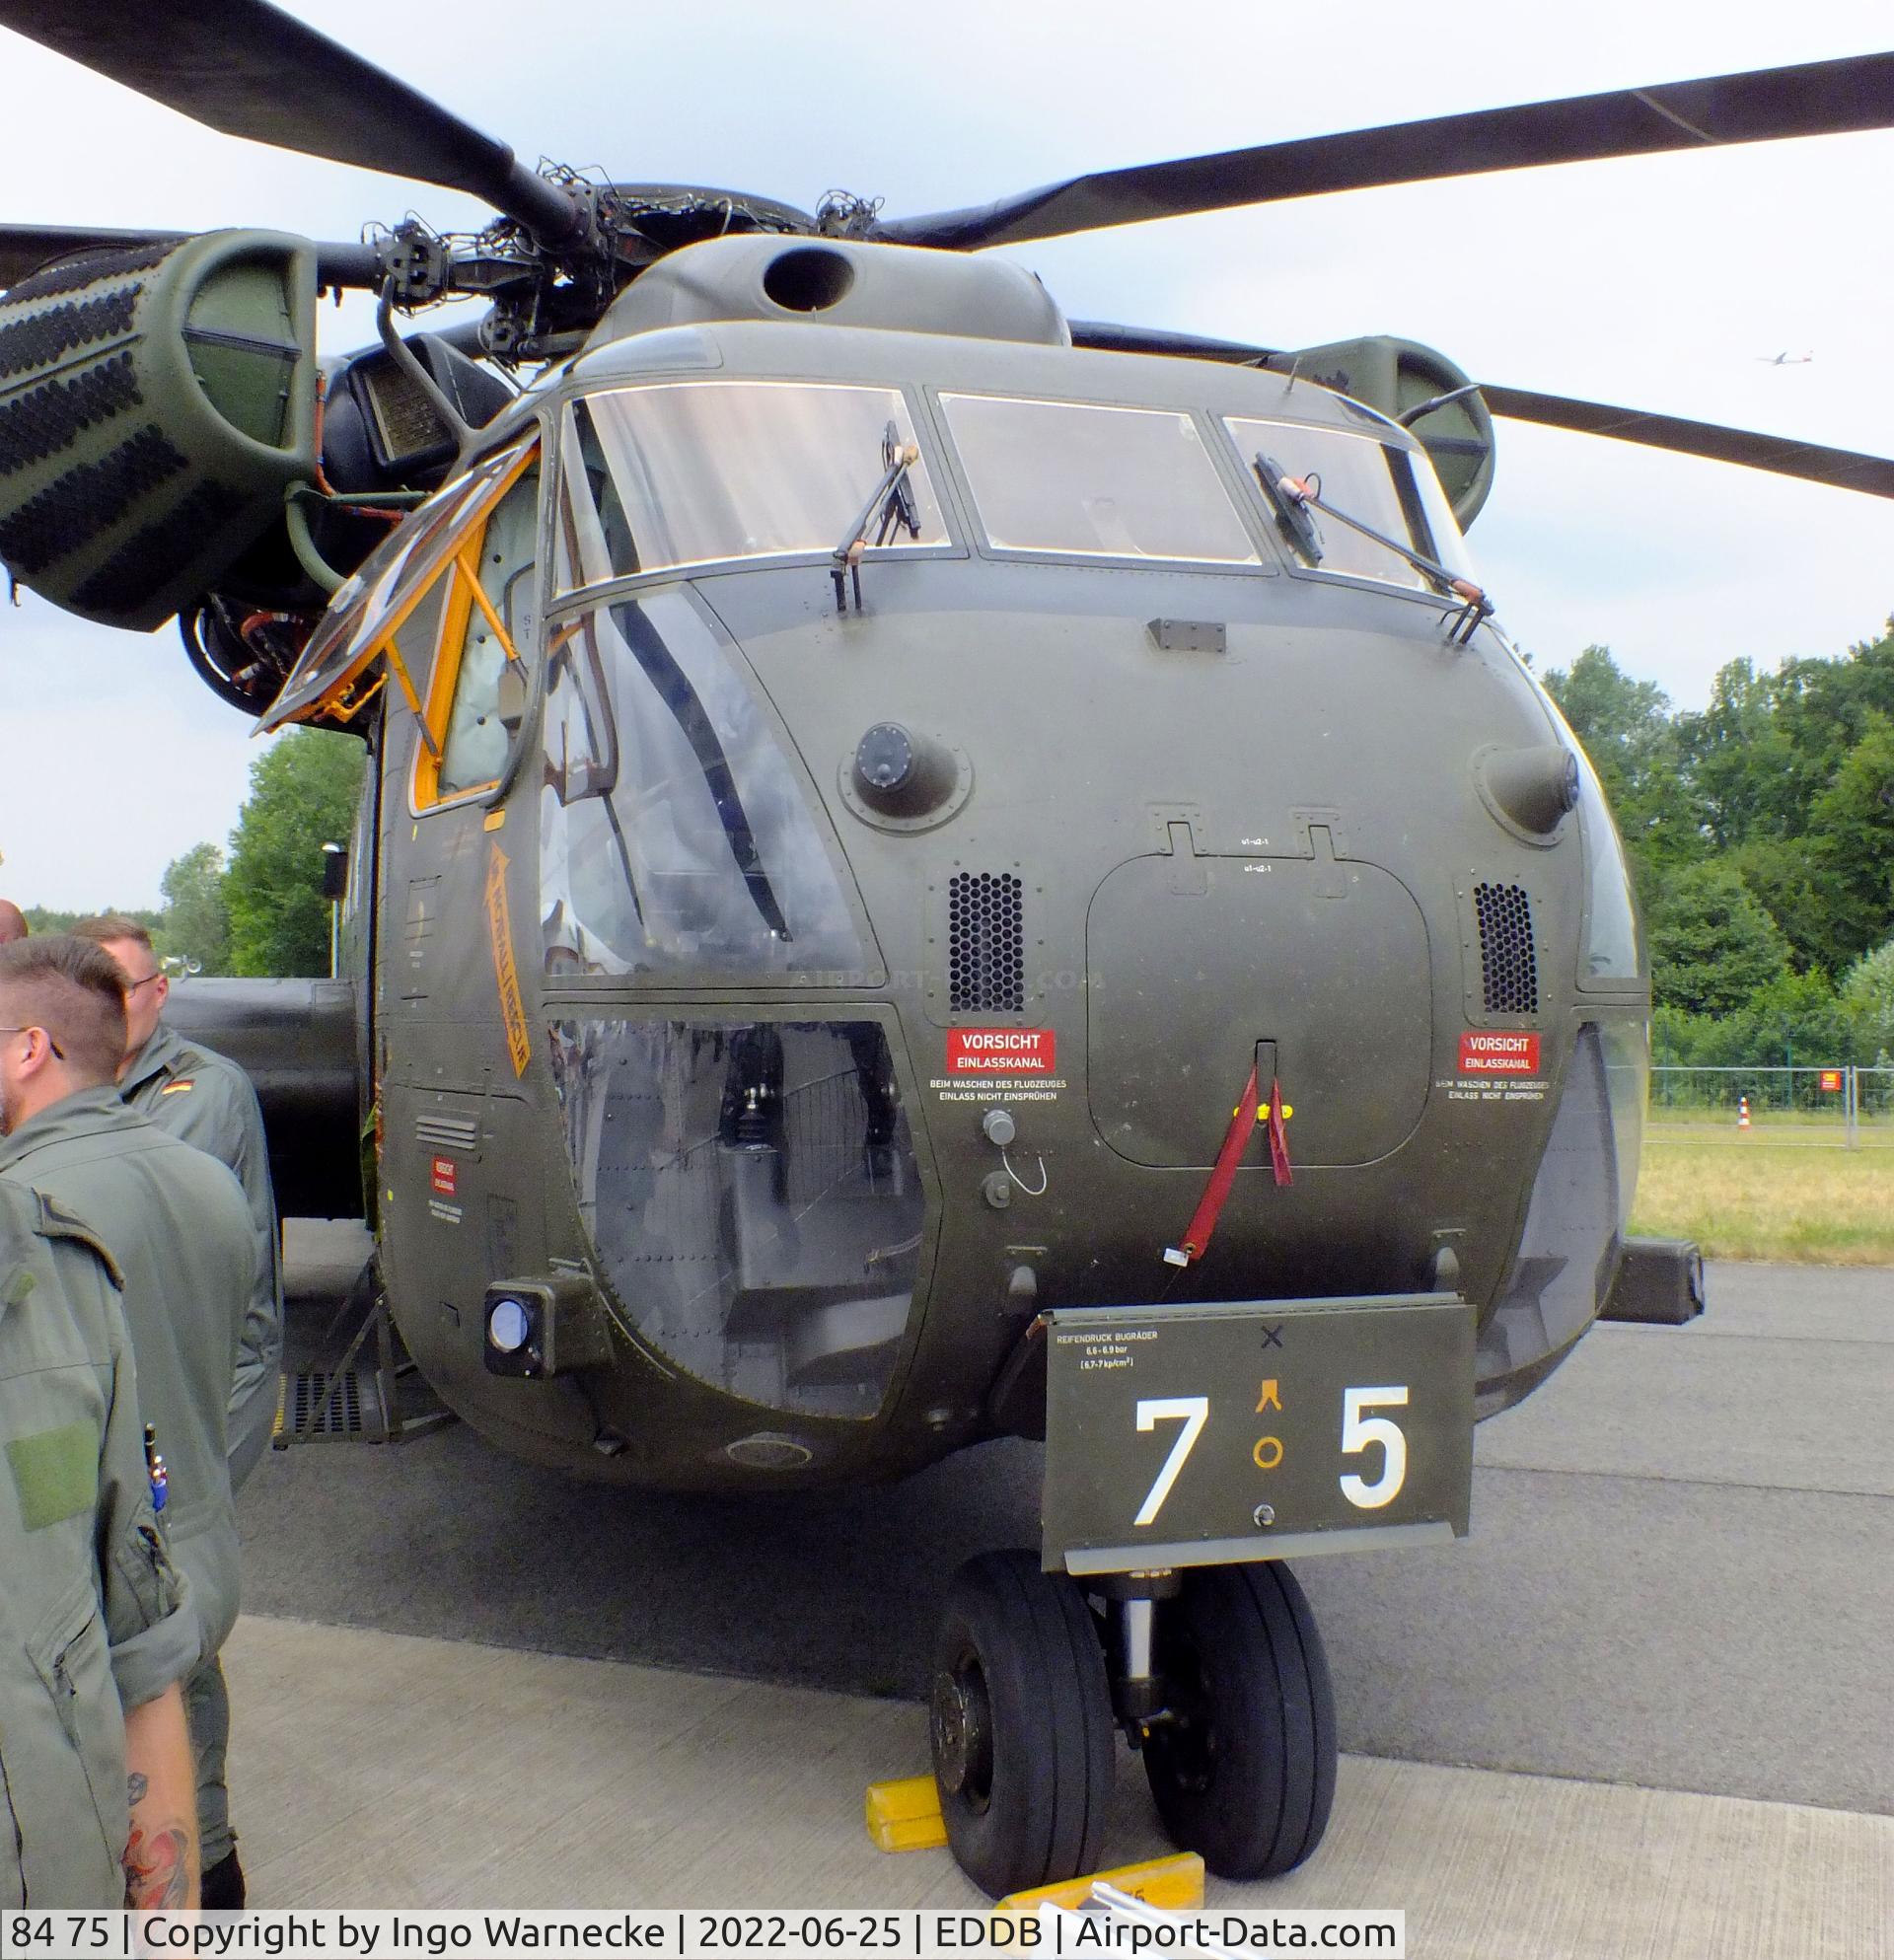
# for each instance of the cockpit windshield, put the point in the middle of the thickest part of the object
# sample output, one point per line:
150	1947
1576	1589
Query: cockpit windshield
1380	484
1081	481
680	474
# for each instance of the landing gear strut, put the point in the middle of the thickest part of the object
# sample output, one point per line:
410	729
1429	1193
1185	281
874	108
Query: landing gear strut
1217	1674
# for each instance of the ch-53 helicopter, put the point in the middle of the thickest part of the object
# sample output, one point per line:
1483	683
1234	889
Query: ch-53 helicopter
821	947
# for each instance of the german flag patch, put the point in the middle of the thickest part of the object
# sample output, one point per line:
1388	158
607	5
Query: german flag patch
177	1088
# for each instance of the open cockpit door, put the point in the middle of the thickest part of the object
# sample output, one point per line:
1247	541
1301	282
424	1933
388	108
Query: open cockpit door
362	642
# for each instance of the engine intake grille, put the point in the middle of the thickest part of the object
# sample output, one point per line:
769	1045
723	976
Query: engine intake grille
986	943
1509	965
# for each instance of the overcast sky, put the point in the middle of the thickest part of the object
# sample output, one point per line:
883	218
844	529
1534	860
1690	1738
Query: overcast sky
1660	283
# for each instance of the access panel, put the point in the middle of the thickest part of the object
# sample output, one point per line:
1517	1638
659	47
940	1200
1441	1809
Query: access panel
1190	962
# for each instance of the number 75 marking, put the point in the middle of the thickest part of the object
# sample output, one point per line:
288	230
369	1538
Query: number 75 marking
1193	1410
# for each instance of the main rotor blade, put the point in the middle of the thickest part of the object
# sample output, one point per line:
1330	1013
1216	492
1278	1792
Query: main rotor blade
1814	462
1820	99
250	69
1845	469
24	248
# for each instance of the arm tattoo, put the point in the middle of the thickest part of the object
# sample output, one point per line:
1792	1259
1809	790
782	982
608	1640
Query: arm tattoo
135	1789
156	1871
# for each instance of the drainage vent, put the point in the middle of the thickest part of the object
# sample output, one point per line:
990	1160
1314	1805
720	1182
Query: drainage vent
1509	965
986	944
313	1410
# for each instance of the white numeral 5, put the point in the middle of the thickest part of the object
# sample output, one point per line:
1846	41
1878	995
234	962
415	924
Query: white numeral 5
1359	1432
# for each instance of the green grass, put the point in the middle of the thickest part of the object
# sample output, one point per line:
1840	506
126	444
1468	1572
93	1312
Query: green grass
1778	1190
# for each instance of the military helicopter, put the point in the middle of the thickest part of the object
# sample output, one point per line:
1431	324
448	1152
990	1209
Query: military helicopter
830	979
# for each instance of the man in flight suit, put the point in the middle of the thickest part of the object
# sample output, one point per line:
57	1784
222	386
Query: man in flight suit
195	1093
97	1805
177	1224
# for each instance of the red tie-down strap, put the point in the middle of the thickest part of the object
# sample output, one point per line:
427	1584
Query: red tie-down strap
1278	1136
1209	1208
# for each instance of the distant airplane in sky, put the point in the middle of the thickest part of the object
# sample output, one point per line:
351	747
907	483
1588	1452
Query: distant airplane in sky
1785	359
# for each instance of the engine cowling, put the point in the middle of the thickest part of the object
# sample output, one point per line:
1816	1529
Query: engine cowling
1396	376
155	405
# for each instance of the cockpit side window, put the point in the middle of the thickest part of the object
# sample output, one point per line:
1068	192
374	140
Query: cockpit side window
487	603
342	669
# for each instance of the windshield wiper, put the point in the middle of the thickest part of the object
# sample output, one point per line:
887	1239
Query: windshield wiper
1292	517
1292	498
891	505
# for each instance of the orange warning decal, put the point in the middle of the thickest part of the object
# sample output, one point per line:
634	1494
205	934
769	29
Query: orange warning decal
499	933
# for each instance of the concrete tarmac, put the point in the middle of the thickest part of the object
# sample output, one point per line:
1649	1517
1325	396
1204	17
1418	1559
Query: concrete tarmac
1642	1709
1681	1572
373	1770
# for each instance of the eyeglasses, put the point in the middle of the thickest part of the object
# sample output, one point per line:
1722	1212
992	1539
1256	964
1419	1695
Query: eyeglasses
58	1054
132	986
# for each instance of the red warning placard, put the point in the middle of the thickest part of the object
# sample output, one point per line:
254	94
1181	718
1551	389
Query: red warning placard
1495	1053
446	1175
1000	1050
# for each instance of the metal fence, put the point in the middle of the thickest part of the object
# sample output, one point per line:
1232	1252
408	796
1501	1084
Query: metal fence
1838	1105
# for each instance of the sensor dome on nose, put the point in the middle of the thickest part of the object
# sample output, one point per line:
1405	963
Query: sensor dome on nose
900	773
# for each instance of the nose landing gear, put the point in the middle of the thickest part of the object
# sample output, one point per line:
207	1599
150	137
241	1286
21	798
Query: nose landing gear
1021	1724
1219	1679
1242	1767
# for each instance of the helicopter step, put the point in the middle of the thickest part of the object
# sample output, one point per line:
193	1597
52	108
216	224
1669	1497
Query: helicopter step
326	1398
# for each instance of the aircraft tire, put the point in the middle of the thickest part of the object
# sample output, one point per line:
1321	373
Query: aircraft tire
1020	1719
1245	1777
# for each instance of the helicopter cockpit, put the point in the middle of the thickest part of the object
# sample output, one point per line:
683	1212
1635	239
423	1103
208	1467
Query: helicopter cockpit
641	639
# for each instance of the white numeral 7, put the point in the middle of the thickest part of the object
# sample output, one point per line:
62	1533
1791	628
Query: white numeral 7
1193	1410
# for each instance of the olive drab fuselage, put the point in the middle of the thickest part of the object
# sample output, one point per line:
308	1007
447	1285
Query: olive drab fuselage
687	1021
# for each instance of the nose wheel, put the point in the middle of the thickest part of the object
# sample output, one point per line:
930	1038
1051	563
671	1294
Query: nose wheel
1235	1718
1242	1763
1020	1720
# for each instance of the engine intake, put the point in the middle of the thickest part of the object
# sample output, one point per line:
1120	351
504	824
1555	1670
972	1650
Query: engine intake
155	404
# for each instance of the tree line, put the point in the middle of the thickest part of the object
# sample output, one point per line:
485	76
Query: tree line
259	909
1761	837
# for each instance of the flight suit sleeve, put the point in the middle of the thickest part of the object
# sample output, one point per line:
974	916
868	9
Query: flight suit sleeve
153	1634
220	1116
